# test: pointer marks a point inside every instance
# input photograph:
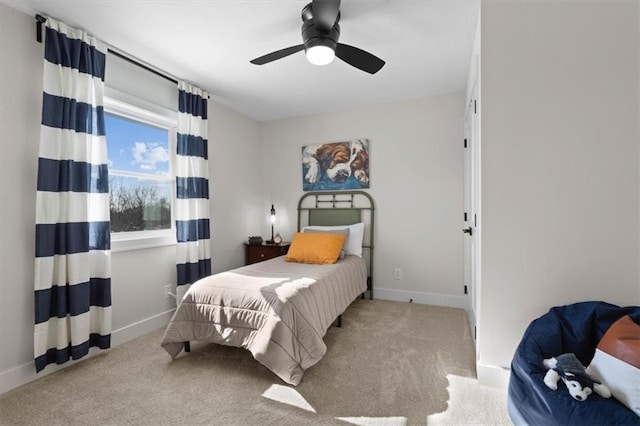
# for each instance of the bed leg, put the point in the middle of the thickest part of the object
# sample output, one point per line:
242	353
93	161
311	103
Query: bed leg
370	288
339	325
187	347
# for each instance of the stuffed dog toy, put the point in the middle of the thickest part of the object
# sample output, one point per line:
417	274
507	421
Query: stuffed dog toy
574	375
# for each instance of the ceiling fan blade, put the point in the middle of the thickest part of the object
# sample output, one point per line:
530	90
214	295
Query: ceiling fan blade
278	54
325	13
358	58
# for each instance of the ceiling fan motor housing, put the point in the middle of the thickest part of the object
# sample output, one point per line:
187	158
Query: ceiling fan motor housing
311	36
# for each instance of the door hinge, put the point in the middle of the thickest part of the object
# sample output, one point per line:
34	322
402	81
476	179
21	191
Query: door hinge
466	291
475	220
465	143
465	216
475	333
475	109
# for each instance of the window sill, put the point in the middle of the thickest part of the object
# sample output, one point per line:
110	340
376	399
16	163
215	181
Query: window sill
141	243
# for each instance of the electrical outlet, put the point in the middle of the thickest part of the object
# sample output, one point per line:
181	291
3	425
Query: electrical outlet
397	273
168	293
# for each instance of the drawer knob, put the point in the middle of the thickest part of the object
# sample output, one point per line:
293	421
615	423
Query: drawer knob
262	255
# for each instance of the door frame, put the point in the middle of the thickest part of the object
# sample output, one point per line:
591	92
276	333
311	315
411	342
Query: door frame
471	219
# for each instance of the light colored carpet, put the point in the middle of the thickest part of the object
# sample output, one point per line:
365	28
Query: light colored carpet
391	363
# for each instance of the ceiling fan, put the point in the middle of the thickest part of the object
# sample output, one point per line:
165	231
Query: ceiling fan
320	34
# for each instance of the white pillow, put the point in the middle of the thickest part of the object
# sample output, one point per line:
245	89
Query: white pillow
353	245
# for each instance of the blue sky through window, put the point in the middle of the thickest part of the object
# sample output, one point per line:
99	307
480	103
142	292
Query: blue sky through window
137	147
140	185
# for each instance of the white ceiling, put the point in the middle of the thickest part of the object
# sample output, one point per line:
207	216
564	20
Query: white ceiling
426	45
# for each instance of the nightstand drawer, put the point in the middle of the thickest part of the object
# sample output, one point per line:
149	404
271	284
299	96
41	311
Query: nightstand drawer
259	252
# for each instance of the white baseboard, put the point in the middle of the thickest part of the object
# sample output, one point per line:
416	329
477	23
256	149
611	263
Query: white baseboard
25	373
493	376
140	328
421	297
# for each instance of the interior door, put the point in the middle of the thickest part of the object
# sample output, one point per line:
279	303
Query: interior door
470	214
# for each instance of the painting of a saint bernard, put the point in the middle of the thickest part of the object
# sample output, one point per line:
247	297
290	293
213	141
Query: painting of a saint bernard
338	165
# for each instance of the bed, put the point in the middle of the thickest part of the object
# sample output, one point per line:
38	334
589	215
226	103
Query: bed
280	310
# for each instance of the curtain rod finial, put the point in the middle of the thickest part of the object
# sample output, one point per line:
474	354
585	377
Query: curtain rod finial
39	21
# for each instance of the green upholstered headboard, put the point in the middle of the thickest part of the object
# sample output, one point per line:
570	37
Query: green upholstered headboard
329	208
332	217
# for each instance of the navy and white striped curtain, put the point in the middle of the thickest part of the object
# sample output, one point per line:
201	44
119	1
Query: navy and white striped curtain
73	258
193	252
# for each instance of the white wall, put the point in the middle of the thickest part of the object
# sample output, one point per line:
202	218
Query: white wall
20	109
416	164
138	277
560	172
235	189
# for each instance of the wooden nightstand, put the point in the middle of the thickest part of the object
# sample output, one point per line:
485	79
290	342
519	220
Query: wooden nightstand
264	251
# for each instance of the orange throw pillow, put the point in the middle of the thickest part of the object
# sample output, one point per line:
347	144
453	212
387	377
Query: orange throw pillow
315	248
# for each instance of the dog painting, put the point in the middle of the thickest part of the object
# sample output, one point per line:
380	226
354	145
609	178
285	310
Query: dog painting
337	165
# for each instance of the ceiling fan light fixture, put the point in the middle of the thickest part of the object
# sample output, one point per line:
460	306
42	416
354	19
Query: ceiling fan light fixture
320	35
320	54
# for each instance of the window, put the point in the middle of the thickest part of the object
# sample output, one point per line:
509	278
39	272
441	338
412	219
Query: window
140	146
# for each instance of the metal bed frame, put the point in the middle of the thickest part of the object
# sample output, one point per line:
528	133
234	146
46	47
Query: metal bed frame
328	208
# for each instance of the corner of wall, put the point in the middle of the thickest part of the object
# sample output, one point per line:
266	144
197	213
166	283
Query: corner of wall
492	376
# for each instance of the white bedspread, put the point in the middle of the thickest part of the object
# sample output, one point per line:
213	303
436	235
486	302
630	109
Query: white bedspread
278	310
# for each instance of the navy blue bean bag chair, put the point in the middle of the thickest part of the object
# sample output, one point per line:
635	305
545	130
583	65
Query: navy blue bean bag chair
577	329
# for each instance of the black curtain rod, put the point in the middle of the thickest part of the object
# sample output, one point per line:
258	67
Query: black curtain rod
134	62
41	19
